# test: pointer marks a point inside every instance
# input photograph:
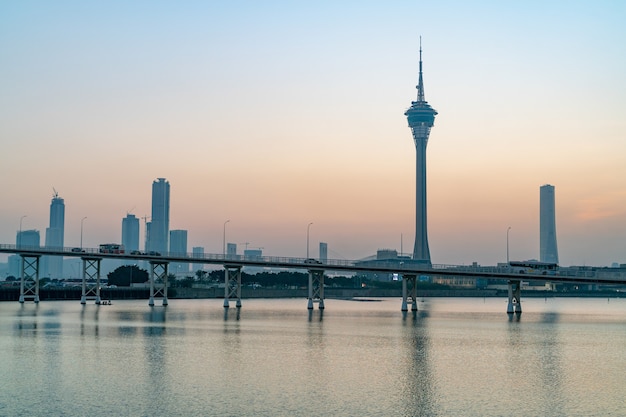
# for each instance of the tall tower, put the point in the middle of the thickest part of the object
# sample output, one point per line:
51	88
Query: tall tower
421	118
55	236
548	251
160	223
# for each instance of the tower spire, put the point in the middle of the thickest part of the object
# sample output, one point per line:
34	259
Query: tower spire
420	85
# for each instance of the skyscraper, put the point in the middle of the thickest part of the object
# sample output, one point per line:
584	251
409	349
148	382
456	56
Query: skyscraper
55	237
160	221
130	232
178	247
421	117
548	251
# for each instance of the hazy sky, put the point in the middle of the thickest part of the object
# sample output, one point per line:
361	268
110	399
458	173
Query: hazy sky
275	114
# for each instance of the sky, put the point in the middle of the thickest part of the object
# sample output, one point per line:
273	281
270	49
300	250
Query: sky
277	114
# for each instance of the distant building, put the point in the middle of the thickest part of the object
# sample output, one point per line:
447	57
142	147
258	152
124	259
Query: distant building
160	221
548	251
323	252
130	235
28	238
252	253
52	266
178	247
231	249
197	252
24	239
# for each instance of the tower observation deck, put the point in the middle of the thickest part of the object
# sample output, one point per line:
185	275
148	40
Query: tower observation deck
421	117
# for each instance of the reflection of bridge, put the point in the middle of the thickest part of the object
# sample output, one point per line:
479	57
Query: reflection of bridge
409	270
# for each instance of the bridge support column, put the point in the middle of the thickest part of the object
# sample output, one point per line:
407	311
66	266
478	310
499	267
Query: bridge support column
91	280
409	292
29	283
316	288
232	284
158	282
515	302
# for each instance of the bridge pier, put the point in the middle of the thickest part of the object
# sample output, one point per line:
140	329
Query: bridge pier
515	301
316	288
91	272
158	272
409	292
29	289
232	285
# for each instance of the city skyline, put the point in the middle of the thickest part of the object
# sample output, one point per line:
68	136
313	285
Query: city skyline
279	115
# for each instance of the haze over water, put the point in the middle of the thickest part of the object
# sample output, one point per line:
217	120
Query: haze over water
562	357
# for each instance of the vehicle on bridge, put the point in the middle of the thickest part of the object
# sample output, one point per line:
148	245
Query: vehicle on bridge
534	267
112	248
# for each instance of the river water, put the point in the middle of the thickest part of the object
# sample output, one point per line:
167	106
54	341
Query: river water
454	357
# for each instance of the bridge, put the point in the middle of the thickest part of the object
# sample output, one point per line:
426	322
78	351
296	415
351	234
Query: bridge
233	264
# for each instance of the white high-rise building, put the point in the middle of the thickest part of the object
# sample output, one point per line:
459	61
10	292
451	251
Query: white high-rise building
548	251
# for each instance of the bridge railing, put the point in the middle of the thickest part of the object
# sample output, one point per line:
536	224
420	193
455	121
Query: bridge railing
395	265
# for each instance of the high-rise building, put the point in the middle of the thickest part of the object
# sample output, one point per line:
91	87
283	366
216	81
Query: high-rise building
548	251
197	251
160	221
323	252
130	233
231	249
28	238
24	239
421	117
178	247
53	265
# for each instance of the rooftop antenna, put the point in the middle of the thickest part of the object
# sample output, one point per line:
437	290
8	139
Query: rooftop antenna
55	194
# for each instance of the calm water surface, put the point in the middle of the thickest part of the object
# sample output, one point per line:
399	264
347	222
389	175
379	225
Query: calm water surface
455	357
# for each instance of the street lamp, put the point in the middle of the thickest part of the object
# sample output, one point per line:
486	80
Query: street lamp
19	241
81	231
224	239
507	244
307	239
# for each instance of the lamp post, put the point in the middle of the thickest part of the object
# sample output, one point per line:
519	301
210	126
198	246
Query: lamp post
307	239
81	231
507	244
224	239
19	241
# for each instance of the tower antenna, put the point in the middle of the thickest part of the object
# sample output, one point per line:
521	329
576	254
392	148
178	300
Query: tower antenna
420	84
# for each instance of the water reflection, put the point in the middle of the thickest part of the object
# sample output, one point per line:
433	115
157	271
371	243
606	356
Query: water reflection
313	313
227	311
26	324
156	318
95	321
534	354
417	384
